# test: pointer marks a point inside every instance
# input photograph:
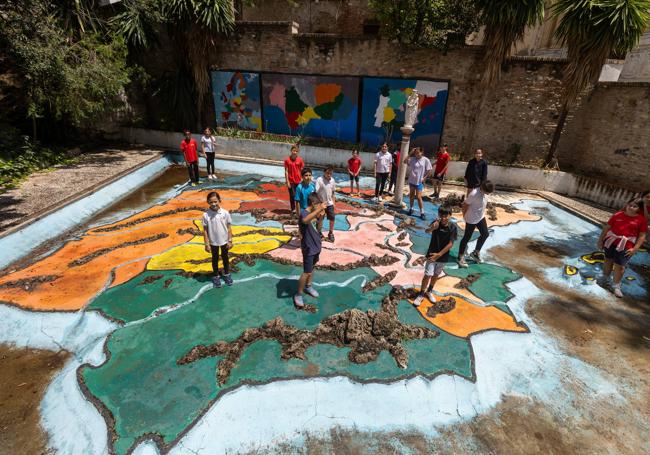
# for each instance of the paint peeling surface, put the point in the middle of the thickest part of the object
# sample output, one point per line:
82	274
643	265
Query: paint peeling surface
163	361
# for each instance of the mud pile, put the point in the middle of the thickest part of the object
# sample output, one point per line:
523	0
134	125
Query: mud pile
441	306
467	281
366	334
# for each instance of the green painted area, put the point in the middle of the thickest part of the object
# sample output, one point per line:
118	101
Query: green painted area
293	101
134	300
326	110
490	286
396	98
147	392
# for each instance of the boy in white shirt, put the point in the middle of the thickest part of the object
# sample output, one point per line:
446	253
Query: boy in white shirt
217	234
326	191
474	216
383	165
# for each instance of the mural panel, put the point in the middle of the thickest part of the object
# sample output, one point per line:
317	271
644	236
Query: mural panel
237	99
383	106
317	106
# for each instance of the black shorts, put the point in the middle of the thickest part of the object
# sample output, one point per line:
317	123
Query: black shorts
618	257
329	212
354	178
439	177
309	261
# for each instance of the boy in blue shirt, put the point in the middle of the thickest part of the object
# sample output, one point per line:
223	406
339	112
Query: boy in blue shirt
303	190
310	244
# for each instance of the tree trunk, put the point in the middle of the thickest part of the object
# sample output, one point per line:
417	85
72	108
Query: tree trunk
552	151
33	128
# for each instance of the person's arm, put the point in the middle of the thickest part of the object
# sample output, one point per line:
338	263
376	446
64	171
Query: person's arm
297	199
465	207
320	208
432	227
601	239
229	236
484	171
206	239
286	176
375	167
639	243
203	149
442	252
444	171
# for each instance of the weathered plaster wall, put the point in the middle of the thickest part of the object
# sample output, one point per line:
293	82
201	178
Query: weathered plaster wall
609	136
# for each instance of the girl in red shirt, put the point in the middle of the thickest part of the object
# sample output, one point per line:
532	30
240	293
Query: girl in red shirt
354	167
623	235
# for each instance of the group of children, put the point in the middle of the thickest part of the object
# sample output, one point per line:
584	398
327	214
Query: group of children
312	202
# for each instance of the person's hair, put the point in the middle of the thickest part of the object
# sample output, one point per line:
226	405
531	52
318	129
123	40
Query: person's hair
329	168
313	199
355	152
645	193
487	187
637	201
185	131
295	147
207	128
444	210
212	194
306	170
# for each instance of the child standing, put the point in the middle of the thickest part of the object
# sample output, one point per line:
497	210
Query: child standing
310	245
621	238
383	164
393	170
208	144
326	191
303	190
442	164
443	234
476	171
189	149
354	167
474	215
293	166
217	234
419	168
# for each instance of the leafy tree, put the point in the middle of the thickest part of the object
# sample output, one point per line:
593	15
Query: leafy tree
60	75
195	26
593	30
439	24
505	23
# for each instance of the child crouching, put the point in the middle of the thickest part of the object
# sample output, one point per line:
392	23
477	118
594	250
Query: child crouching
217	234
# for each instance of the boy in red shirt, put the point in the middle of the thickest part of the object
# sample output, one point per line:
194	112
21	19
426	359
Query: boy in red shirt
442	164
623	235
293	165
354	167
189	149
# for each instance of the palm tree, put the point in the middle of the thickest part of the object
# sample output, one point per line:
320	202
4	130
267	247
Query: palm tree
593	30
505	22
194	25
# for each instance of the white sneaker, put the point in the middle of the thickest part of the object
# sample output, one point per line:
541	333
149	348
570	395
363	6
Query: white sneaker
617	291
418	300
462	263
430	296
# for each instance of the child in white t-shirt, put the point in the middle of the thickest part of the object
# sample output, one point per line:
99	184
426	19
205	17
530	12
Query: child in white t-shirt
217	234
326	191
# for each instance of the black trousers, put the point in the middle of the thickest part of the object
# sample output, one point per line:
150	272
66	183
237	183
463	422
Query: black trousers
380	183
393	178
209	158
292	196
224	259
469	230
193	170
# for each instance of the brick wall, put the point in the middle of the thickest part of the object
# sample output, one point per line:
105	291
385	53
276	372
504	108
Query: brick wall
609	136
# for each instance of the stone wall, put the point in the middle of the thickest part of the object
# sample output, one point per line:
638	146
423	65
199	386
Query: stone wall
609	136
519	114
343	17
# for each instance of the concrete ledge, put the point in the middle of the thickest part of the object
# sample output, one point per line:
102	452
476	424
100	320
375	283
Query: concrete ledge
564	183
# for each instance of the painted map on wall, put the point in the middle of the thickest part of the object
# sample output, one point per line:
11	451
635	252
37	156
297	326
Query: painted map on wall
382	112
237	99
317	106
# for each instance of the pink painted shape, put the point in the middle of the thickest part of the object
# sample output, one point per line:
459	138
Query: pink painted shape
276	97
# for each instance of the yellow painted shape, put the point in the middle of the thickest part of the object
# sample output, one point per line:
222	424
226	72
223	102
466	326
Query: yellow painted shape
192	257
570	270
308	114
389	114
593	258
257	121
467	319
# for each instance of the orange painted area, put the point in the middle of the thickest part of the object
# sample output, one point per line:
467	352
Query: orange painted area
326	93
125	272
467	319
503	218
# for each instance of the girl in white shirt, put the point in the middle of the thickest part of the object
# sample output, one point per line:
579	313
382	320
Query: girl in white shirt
474	215
208	147
383	164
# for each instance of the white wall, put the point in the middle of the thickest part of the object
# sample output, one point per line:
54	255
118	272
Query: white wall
503	176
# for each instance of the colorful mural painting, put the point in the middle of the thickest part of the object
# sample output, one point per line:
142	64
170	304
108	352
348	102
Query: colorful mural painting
383	107
317	106
237	99
172	364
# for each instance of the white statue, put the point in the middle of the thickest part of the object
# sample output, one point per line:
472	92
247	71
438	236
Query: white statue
411	115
